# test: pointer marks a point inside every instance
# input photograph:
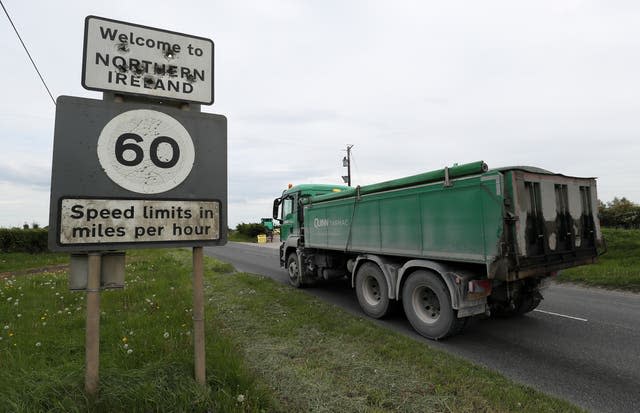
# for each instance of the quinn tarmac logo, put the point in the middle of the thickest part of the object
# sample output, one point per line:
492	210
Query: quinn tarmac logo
325	222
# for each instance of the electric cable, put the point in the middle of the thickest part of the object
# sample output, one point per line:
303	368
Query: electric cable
28	54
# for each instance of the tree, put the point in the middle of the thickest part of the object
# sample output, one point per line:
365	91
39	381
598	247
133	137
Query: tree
619	213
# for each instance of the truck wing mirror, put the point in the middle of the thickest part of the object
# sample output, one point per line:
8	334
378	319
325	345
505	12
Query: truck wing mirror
300	211
276	206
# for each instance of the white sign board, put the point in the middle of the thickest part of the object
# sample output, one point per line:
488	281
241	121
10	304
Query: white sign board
100	221
129	58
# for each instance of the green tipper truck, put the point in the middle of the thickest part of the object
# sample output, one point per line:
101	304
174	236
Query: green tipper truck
448	244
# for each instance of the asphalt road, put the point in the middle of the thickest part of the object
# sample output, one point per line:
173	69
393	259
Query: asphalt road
582	345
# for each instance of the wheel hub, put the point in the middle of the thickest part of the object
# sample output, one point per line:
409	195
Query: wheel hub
293	270
371	291
426	304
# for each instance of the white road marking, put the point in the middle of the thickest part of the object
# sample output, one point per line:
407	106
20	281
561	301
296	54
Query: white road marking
562	315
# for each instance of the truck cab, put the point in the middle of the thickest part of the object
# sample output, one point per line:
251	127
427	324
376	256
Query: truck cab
287	209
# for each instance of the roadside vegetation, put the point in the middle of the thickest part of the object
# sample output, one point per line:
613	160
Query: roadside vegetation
32	240
316	357
146	358
269	348
23	262
619	213
236	236
618	268
246	232
23	249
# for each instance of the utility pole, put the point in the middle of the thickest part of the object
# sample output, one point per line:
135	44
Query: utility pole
346	161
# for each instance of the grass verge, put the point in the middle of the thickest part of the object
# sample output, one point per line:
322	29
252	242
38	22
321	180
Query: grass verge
619	268
269	348
18	261
146	357
318	358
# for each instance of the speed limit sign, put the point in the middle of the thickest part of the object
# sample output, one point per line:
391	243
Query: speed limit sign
133	175
146	151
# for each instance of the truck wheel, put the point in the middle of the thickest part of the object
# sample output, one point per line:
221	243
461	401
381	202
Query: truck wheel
523	304
527	303
293	269
427	304
372	290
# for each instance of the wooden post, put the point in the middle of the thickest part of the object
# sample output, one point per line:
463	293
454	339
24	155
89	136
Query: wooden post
92	338
198	316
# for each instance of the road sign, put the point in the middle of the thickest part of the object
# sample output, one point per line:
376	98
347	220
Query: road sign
128	175
130	58
92	222
145	151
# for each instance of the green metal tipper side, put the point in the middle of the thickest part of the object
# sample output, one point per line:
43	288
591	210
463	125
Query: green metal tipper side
418	216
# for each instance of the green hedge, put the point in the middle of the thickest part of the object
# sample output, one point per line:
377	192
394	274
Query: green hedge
23	240
251	230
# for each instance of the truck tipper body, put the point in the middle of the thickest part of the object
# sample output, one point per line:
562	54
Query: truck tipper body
447	244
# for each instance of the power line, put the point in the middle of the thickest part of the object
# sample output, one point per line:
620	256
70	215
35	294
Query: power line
28	54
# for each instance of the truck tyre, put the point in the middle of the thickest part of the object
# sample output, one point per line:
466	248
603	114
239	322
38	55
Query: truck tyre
372	290
528	303
293	269
427	304
523	304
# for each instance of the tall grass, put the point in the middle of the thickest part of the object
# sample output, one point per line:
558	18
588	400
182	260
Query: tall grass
20	261
146	357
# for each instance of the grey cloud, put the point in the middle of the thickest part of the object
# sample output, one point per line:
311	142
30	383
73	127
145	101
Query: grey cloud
38	176
291	117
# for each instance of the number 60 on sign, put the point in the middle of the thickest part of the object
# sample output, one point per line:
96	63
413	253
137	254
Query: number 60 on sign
145	151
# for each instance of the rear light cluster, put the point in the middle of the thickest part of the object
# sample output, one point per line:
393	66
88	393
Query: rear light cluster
479	288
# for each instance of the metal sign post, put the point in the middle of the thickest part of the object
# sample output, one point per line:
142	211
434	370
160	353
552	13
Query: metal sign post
198	316
92	335
141	168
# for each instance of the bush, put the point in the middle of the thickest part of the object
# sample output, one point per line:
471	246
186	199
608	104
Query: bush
620	213
251	230
23	240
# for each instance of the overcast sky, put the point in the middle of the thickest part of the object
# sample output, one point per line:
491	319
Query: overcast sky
414	86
